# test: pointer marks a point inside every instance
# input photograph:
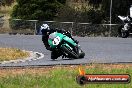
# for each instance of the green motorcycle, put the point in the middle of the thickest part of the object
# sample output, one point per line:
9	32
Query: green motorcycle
65	45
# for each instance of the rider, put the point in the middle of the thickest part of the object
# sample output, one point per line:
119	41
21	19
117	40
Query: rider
126	19
46	31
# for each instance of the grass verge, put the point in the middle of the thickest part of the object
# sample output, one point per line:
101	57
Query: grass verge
7	54
60	76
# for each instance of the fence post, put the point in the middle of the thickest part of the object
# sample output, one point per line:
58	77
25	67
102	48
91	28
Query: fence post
110	18
35	25
35	28
72	28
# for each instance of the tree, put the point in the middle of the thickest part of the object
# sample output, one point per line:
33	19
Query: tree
62	1
119	7
6	2
36	9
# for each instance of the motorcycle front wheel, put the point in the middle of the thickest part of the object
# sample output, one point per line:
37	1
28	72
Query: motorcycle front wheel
81	53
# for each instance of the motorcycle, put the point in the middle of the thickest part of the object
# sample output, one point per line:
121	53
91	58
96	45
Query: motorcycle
126	28
65	45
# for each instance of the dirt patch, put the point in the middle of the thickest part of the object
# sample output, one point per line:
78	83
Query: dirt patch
7	54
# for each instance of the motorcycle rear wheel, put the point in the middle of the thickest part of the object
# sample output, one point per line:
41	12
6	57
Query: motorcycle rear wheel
124	34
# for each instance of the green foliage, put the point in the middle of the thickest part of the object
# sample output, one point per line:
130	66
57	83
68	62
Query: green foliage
62	1
6	2
95	3
21	24
36	9
33	10
67	13
99	11
93	16
119	7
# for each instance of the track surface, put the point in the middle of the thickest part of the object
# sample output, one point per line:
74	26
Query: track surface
97	49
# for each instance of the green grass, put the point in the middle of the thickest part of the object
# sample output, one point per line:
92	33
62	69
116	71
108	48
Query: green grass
61	78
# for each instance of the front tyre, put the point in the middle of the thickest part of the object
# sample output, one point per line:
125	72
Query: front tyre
55	54
81	54
70	52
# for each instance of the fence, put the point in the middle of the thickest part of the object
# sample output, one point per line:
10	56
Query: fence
18	26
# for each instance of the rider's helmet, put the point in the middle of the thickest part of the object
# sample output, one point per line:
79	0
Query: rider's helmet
44	28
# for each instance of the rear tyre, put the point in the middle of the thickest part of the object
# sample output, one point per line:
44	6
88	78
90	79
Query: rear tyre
53	57
124	34
70	52
121	33
55	54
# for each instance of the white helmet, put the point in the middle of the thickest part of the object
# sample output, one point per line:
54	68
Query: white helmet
45	27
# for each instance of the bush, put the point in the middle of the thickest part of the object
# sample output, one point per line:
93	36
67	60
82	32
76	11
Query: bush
21	24
36	9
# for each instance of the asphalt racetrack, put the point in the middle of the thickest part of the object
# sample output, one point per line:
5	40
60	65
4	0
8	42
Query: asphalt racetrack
97	50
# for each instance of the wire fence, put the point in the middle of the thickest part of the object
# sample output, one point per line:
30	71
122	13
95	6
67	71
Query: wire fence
18	26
